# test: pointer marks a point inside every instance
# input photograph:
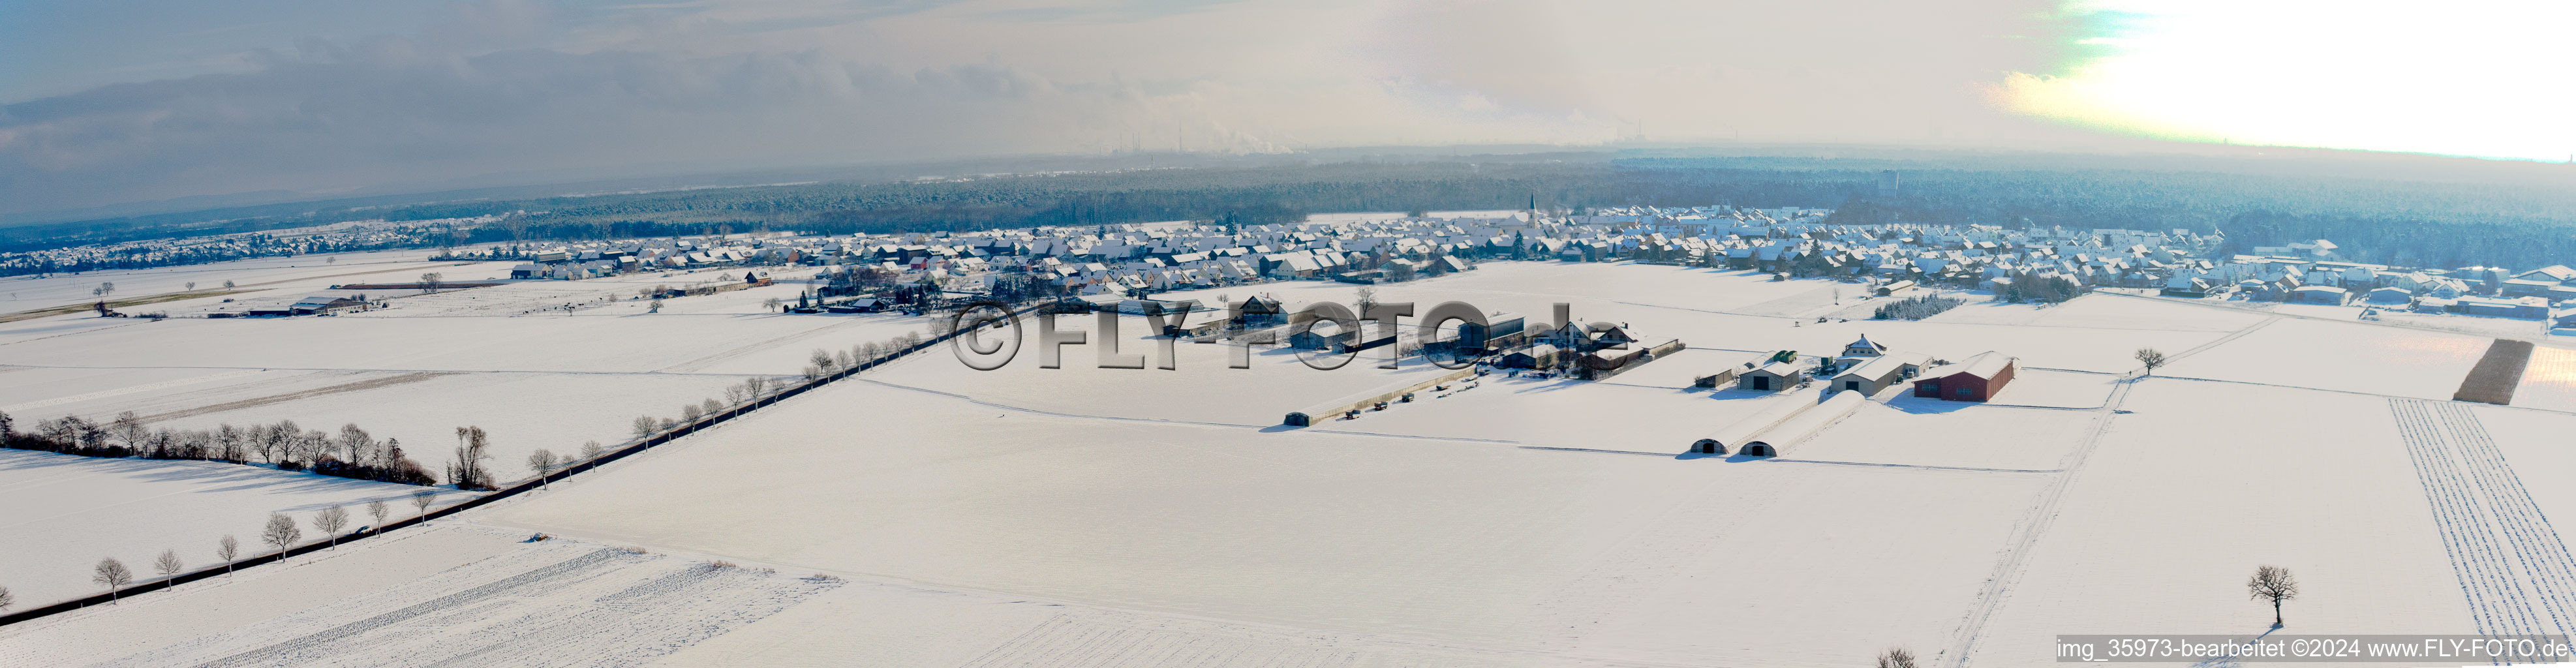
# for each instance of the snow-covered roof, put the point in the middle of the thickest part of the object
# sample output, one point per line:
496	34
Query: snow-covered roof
1983	365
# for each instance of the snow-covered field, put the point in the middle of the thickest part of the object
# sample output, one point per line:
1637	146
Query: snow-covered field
2203	481
448	595
1403	540
1094	517
413	372
2335	356
292	277
67	512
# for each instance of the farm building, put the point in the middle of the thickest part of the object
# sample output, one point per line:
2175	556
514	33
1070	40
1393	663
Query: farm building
1260	312
324	305
2319	294
2390	296
1311	340
1715	379
1771	377
1537	356
1864	348
1976	379
860	305
1880	373
1499	330
2531	308
1891	289
1607	359
1196	323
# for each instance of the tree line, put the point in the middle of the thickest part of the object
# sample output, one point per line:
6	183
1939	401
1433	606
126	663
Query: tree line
2404	222
351	453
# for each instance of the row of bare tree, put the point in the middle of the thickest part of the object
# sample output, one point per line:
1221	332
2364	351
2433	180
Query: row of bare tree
823	362
280	533
749	390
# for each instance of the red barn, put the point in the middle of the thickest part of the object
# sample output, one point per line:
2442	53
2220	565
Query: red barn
1976	379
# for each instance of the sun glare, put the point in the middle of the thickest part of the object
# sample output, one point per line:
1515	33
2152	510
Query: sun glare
2486	79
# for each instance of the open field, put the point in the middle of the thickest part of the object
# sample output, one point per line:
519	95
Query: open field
2335	356
1586	554
2318	482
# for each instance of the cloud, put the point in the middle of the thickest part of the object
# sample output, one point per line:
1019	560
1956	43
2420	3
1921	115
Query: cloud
345	116
522	86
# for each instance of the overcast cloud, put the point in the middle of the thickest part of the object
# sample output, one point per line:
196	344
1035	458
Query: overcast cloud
278	97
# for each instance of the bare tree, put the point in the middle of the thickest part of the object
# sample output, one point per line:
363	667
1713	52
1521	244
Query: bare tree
356	442
2273	583
379	509
103	289
112	574
168	563
645	425
227	549
280	532
1896	657
129	428
192	285
7	599
543	462
429	281
330	521
228	284
473	448
711	406
590	450
422	501
2152	358
691	412
228	442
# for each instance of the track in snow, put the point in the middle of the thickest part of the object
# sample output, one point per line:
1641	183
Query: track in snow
2513	568
556	603
2009	563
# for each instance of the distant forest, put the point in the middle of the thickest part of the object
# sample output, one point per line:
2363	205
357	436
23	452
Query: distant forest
2397	222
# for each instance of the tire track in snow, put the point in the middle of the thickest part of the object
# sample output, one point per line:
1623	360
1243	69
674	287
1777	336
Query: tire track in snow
2483	564
2547	566
553	603
2034	523
2445	504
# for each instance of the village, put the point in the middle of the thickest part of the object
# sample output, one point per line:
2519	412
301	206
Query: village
867	273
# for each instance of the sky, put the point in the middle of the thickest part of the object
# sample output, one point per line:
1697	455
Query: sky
109	101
